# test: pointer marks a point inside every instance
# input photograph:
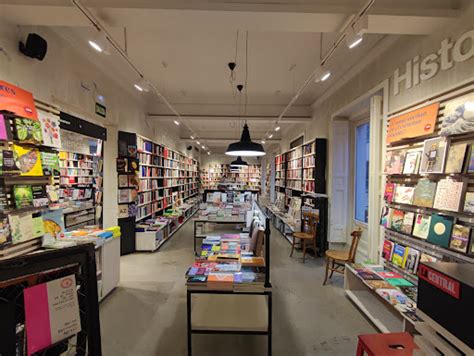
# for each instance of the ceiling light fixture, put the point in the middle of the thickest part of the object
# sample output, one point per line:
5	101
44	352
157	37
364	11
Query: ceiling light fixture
203	147
198	142
208	153
245	147
270	136
192	137
354	41
100	43
355	32
277	128
142	85
176	122
238	163
263	142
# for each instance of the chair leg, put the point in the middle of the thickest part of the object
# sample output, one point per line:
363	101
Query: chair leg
293	246
304	249
314	248
327	271
332	269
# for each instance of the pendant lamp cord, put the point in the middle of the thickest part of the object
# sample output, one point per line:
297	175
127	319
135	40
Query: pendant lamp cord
246	71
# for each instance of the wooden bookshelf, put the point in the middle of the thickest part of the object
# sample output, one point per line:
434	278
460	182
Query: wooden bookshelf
247	177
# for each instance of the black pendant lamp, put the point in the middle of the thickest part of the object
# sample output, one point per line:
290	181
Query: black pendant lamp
245	147
238	163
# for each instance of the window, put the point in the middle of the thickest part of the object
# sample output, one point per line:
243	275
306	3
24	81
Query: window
297	142
361	170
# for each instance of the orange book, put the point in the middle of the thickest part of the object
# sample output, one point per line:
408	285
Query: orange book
221	278
252	261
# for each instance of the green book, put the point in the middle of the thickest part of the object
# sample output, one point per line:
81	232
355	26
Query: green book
440	230
23	196
399	282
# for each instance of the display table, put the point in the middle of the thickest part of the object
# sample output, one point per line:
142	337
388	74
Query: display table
282	222
228	221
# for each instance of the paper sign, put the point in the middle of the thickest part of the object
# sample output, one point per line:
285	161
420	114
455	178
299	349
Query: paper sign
416	123
17	100
51	313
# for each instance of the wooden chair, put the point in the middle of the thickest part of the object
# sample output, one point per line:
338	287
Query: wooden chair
336	259
310	222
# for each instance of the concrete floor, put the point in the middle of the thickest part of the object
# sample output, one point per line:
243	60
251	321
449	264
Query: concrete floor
146	314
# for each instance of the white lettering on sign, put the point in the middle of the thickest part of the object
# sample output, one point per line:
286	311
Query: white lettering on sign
448	55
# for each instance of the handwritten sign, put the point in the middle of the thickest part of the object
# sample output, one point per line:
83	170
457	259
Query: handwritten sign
416	123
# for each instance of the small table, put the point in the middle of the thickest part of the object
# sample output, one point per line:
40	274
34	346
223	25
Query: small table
214	221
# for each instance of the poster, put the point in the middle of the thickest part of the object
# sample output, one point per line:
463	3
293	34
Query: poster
51	313
17	100
458	116
415	123
50	129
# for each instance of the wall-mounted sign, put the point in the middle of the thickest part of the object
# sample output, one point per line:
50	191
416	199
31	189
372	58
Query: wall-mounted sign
420	122
100	109
17	101
440	281
418	70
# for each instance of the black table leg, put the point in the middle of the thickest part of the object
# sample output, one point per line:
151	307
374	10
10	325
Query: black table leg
269	346
188	312
194	237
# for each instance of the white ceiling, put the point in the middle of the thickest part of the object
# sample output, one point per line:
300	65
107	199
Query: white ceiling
183	48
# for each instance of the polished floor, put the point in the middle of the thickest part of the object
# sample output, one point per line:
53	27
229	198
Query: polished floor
146	314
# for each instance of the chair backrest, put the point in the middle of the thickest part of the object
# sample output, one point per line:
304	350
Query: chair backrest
310	222
356	235
260	242
254	238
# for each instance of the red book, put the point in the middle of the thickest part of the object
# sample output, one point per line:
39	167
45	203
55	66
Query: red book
389	192
387	250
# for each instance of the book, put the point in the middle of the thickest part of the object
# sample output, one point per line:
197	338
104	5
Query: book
28	130
412	258
411	292
8	164
389	192
399	282
457	116
470	165
394	162
4	128
456	158
122	211
28	159
421	228
369	275
434	155
448	194
379	284
50	163
398	255
440	230
469	203
50	129
53	222
460	238
412	163
122	165
389	274
424	194
385	217
427	258
387	250
132	210
21	226
23	196
40	197
133	181
404	194
38	226
407	225
122	181
396	220
5	236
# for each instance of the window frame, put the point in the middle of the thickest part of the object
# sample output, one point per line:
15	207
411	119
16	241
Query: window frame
354	218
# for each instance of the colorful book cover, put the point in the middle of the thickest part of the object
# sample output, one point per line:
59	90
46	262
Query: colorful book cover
40	197
133	181
385	217
123	211
408	221
389	192
470	166
457	116
448	194
393	296
456	157
5	232
9	165
427	258
29	161
378	284
412	163
23	196
434	155
132	210
50	162
28	130
398	255
38	226
460	238
410	292
440	230
387	250
424	194
399	282
404	194
122	181
4	128
21	227
396	219
53	222
469	203
50	129
122	165
394	162
422	226
369	275
389	274
220	278
411	260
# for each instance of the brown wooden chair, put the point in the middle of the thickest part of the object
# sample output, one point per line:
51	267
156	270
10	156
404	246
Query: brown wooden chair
336	259
310	223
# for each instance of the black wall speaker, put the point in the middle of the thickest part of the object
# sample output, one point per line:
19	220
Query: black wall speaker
189	148
35	47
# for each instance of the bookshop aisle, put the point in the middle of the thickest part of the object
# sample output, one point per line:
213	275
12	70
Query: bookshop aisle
146	314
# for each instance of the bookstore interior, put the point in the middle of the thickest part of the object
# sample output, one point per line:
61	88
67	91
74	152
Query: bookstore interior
173	187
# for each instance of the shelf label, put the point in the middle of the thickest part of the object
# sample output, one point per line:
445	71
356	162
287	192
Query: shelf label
439	280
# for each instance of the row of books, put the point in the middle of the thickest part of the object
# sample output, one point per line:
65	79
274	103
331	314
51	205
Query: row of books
280	159
75	193
73	156
436	229
77	164
149	197
446	194
309	162
308	173
295	164
294	154
76	180
309	186
294	184
294	174
436	157
83	172
151	147
407	258
309	149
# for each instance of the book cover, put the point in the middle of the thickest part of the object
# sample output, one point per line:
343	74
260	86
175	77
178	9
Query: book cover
50	163
133	181
122	165
122	181
124	196
404	194
53	222
427	258
470	166
396	219
460	238
40	197
220	278
411	260
9	165
440	230
456	157
21	227
133	165
132	151
424	194
23	196
29	161
398	255
53	193
408	220
385	217
28	130
38	226
5	236
422	226
410	292
122	148
448	194
434	155
387	250
399	282
122	211
394	162
389	274
50	129
389	192
469	203
4	128
132	210
412	163
458	116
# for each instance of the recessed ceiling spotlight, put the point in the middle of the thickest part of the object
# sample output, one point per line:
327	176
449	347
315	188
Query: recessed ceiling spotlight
100	43
198	142
322	77
263	142
203	147
270	136
354	41
277	128
192	137
176	122
142	85
208	153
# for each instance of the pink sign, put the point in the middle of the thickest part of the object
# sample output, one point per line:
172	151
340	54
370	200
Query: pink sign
3	128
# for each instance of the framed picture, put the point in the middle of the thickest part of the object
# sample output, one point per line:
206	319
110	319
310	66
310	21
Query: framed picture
434	155
458	116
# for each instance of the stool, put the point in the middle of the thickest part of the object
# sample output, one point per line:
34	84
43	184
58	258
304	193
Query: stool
396	344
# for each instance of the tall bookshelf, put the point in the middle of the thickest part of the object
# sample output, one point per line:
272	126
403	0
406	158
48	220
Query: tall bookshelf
248	177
